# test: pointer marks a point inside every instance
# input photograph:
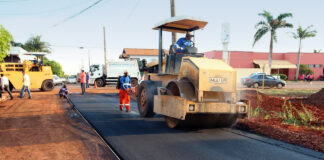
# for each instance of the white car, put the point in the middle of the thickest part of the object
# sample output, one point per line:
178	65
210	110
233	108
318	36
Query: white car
72	79
57	80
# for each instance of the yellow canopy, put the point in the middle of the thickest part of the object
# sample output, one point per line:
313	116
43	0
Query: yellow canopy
276	64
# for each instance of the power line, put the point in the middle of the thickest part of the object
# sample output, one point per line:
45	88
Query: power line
133	9
14	0
77	14
43	12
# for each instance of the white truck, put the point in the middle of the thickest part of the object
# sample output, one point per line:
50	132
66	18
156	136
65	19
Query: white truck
109	75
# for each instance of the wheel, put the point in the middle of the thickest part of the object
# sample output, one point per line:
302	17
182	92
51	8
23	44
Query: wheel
279	85
100	82
134	82
172	122
256	85
145	99
47	85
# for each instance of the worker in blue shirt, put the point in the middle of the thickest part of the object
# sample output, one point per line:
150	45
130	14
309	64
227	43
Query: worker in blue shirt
124	91
183	43
63	91
87	79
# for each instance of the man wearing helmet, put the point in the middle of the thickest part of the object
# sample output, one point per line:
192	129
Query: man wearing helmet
124	90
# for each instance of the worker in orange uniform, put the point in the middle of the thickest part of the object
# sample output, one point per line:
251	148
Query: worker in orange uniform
124	91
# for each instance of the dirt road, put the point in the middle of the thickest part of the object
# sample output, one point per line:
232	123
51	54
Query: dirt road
46	128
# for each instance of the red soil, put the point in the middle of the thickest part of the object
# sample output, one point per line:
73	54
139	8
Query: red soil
317	99
274	127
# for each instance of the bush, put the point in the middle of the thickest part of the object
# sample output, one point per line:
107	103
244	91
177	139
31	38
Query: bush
282	76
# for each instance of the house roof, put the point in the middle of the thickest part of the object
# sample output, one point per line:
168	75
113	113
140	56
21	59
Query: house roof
127	52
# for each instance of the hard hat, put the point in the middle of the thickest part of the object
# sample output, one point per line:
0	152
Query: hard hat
125	71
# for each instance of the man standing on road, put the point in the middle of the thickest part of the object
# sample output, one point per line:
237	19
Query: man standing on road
26	84
87	79
83	81
5	86
124	91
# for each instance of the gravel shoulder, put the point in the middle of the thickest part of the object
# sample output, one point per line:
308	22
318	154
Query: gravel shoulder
46	127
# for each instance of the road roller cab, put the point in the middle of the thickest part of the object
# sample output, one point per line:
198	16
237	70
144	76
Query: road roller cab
187	88
41	77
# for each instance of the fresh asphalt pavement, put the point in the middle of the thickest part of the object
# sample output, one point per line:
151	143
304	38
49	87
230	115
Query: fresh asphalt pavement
133	137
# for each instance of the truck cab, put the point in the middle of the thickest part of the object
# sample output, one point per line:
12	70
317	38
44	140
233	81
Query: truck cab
103	76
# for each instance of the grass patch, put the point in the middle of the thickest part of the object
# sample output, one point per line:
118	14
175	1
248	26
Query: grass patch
296	117
288	115
288	92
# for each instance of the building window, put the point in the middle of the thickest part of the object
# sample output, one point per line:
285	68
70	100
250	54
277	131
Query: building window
315	65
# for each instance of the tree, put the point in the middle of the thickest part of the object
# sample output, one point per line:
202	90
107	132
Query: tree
271	25
5	38
34	44
317	50
300	35
16	44
304	69
56	67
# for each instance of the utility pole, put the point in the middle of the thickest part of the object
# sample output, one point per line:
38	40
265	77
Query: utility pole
173	14
105	51
89	58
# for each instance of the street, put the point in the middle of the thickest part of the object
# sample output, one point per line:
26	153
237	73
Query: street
133	137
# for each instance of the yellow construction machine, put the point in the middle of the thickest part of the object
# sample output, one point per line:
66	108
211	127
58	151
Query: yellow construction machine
41	77
187	88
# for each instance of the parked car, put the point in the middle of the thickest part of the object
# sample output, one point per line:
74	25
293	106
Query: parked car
57	80
72	80
256	73
269	81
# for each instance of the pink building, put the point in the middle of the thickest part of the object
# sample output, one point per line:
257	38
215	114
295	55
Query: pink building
242	59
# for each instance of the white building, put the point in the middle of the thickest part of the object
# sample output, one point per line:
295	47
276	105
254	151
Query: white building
149	55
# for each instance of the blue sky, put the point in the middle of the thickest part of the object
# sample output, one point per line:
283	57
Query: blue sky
129	25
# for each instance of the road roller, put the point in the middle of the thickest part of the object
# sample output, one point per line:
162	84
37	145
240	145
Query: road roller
187	88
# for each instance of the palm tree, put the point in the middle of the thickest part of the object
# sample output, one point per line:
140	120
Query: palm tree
34	44
271	25
300	35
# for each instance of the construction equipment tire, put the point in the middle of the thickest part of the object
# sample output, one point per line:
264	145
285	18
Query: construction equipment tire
172	122
145	98
134	82
47	85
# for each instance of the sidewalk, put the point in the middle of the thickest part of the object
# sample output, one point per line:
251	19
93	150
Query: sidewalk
305	85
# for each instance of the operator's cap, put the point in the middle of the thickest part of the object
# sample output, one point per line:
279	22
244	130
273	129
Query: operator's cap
190	35
125	71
